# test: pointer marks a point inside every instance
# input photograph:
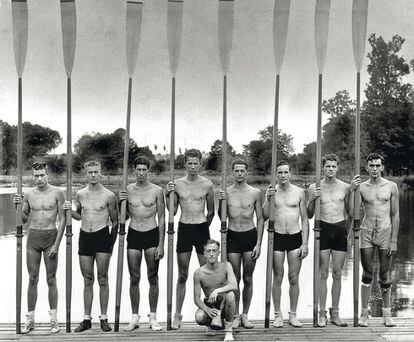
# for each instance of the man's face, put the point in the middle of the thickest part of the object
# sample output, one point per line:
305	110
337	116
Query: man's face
40	177
192	165
211	252
330	169
283	174
141	172
239	172
375	167
93	174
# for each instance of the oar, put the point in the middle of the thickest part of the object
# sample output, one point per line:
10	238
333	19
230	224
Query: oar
225	37
133	31
359	31
68	18
321	42
174	29
280	30
20	30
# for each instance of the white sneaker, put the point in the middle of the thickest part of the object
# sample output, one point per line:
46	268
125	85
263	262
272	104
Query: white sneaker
278	322
176	324
154	325
134	324
54	326
29	325
236	322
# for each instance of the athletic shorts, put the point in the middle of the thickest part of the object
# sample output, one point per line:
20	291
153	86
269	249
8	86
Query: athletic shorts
286	242
334	236
41	240
190	235
375	237
240	242
143	240
95	242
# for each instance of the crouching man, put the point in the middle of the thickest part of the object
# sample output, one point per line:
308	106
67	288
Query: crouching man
218	282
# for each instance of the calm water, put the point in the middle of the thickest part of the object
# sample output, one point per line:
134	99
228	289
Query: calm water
402	277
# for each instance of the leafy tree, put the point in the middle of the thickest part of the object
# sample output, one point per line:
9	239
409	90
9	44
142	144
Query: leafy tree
159	166
259	151
179	162
214	159
307	160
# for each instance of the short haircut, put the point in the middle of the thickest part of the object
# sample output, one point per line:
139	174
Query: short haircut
239	161
373	156
39	165
281	163
330	157
192	153
210	241
92	162
142	160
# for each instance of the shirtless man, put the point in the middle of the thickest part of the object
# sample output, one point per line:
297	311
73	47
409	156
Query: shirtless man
334	197
218	283
243	239
289	239
193	193
145	236
95	205
379	229
42	204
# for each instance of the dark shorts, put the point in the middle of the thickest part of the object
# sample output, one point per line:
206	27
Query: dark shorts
240	242
286	242
41	240
334	236
143	240
95	242
215	305
190	235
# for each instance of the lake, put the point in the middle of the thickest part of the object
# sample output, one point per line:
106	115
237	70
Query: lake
402	277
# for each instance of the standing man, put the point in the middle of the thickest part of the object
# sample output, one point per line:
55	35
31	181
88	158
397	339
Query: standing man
193	193
218	283
243	239
289	239
334	197
95	206
379	229
42	204
145	236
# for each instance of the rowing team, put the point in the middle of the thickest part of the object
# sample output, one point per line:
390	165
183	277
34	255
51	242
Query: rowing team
286	206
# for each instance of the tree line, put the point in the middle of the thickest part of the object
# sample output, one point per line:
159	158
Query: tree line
387	127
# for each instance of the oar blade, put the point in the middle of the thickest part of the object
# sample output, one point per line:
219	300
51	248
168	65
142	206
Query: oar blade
280	31
68	19
321	31
225	31
20	32
174	31
359	30
133	33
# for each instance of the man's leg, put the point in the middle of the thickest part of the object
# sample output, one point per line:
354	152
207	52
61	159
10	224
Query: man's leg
134	258
278	260
183	261
385	284
324	256
86	266
294	263
235	261
367	257
248	268
51	268
102	266
338	260
230	310
152	269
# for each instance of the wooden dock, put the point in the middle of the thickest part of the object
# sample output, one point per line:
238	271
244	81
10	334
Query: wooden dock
404	331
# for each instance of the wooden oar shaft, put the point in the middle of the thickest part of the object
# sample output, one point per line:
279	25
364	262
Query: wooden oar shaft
69	212
317	225
223	229
357	203
170	230
271	225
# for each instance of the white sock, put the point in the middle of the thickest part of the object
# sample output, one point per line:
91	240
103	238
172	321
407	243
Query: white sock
87	317
31	315
53	314
102	317
135	317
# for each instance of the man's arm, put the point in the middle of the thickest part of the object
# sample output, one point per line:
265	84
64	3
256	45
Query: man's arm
197	295
171	187
210	204
159	252
311	201
305	224
61	226
395	218
113	215
222	195
25	209
266	205
260	224
77	213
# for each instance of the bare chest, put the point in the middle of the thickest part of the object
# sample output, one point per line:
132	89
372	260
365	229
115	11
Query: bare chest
40	202
141	200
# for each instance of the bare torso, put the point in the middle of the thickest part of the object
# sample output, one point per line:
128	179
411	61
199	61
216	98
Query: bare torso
241	206
211	279
192	197
287	210
142	206
43	206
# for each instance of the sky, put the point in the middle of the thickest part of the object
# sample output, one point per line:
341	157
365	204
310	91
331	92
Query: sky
99	78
